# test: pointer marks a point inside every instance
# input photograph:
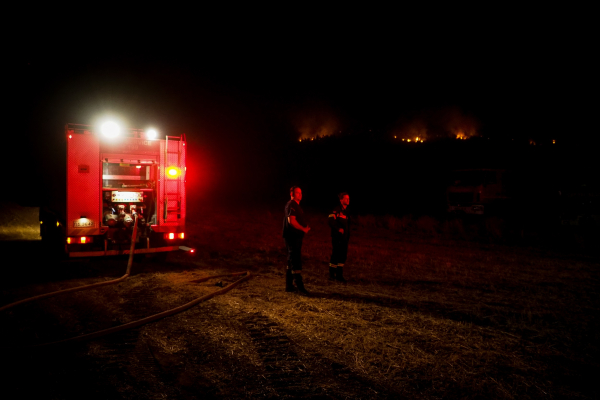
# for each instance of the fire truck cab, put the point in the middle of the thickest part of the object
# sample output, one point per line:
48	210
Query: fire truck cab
111	180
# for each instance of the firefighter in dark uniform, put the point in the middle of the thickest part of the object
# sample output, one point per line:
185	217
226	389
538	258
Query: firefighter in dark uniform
339	222
294	228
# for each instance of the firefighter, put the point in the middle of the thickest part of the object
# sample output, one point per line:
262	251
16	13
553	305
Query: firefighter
294	229
339	222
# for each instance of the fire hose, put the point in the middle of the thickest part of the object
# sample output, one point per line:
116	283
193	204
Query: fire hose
143	321
156	317
85	287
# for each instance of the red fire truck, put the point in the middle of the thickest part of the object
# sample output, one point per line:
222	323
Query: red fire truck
112	179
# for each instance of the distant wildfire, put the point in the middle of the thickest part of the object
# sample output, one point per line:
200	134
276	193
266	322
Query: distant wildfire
436	124
316	124
414	131
424	126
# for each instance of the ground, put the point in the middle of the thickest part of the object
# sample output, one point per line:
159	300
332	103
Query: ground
431	310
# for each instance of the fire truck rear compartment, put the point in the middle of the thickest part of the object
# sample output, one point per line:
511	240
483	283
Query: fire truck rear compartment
110	181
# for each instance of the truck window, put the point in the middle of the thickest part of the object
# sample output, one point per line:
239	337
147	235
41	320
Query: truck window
117	175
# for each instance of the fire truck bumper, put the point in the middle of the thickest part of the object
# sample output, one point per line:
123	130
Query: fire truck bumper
124	252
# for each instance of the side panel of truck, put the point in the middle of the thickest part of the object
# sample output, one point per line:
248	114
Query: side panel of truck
83	185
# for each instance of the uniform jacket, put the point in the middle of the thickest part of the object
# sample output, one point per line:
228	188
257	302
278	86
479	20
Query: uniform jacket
339	218
293	209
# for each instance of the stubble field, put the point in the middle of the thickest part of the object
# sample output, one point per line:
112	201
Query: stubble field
425	314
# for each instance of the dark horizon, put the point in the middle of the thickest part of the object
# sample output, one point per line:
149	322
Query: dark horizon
244	103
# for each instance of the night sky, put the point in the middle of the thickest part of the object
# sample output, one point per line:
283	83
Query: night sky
245	90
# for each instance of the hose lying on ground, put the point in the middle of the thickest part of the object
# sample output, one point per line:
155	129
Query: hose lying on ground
142	321
158	316
85	287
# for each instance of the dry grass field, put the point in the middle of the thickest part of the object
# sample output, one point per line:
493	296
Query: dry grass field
426	314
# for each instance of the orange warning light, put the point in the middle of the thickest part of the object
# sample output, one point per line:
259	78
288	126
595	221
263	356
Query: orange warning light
173	172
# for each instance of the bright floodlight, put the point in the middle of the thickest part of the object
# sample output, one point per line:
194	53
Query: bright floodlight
151	134
110	129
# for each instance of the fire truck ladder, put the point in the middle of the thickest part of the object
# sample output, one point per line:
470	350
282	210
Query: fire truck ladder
177	193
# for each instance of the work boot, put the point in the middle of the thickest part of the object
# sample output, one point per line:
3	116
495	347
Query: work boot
339	275
300	285
332	272
289	281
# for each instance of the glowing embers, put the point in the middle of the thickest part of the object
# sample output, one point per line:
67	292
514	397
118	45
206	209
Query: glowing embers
173	235
80	240
415	140
173	172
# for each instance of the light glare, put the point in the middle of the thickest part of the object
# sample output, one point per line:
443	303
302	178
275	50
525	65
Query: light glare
151	133
110	129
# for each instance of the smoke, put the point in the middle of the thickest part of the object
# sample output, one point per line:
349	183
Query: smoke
438	123
458	125
413	130
314	122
